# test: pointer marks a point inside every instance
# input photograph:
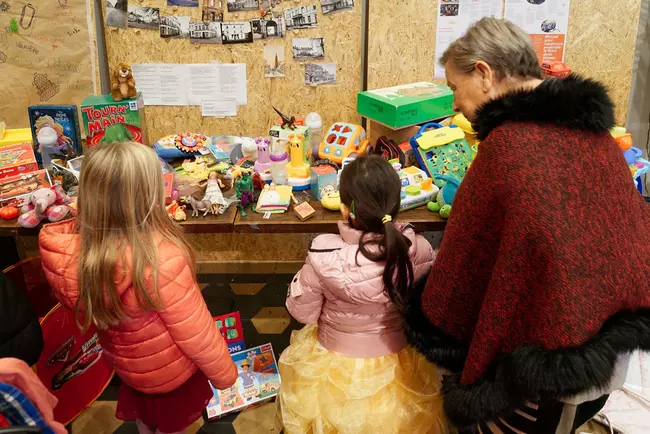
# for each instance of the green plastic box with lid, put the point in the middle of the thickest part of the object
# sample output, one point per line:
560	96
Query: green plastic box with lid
406	105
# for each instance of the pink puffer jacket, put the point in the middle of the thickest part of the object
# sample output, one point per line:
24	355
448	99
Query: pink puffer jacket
153	352
344	293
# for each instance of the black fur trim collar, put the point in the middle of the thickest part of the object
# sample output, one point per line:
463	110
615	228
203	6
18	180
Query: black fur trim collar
534	374
576	102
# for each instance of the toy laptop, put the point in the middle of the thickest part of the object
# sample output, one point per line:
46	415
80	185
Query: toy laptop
229	325
442	151
258	381
55	132
343	140
108	121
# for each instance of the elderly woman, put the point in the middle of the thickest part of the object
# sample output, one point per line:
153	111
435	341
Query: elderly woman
542	285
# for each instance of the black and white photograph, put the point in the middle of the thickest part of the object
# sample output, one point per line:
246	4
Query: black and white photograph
236	32
302	17
308	48
320	73
274	61
243	5
267	5
116	14
332	6
174	27
268	28
144	17
212	10
186	3
205	32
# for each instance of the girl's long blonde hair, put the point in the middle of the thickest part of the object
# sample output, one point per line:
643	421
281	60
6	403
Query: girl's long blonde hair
121	209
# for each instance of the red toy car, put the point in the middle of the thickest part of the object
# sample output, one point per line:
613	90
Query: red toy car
556	69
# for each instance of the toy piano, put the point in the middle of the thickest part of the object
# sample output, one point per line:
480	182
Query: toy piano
342	141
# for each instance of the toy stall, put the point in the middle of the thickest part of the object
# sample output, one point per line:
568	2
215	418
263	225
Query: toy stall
254	109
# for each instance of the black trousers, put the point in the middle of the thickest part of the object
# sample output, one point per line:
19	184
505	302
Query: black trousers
542	418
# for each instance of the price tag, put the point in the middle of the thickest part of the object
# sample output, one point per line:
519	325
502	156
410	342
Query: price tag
267	215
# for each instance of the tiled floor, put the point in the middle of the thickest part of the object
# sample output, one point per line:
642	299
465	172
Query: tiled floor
260	302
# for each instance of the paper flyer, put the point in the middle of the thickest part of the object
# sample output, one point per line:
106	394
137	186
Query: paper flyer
454	18
547	22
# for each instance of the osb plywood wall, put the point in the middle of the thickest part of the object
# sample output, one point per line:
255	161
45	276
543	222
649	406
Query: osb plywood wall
600	43
342	33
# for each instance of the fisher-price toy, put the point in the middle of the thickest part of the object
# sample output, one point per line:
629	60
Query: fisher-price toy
442	151
298	169
190	143
263	163
445	196
45	203
417	187
343	140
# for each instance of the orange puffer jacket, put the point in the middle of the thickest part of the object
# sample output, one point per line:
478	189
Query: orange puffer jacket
153	352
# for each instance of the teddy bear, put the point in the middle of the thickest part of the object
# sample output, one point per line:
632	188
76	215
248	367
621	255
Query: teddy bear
123	83
45	203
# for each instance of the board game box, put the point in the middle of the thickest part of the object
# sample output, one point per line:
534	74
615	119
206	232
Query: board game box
230	327
16	189
258	381
55	132
108	121
16	160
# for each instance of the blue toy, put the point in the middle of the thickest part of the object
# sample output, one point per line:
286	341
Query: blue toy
445	196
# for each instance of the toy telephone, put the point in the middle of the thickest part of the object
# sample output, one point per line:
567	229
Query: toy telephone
343	140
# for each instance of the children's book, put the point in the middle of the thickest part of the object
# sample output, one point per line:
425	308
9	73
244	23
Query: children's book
258	381
55	133
274	199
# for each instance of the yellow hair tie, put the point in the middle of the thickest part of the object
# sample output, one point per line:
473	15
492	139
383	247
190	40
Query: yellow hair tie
386	219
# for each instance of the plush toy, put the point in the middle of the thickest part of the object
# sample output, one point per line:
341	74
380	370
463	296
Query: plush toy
45	203
249	148
123	83
445	197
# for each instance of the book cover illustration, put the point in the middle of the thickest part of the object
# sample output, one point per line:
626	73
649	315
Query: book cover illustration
55	133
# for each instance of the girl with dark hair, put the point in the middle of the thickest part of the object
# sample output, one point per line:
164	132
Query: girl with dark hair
354	373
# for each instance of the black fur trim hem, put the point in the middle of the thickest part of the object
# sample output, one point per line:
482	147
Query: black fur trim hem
576	102
534	374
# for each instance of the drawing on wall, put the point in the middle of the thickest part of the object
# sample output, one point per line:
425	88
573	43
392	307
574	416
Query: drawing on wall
236	32
45	88
332	6
274	61
320	73
144	17
302	17
116	15
308	48
174	27
243	5
205	32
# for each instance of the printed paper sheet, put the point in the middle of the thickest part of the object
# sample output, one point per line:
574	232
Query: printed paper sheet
454	18
547	23
46	56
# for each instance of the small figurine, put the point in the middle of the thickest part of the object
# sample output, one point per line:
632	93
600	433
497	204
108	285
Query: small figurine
287	122
204	206
244	190
45	203
123	84
258	182
213	193
176	211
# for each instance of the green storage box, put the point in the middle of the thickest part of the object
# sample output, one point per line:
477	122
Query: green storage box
406	105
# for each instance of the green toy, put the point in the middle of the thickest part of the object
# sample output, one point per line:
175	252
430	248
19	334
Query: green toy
244	190
445	197
115	134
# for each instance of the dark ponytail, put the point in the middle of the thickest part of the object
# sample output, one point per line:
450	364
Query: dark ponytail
371	188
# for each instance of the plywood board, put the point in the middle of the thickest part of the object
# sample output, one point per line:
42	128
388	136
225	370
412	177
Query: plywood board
600	44
342	33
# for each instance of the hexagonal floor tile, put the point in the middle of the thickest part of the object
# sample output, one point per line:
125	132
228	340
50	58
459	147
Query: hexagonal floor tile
258	420
271	320
246	288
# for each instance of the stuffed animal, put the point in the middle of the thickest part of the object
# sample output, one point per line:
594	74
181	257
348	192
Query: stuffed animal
123	83
45	203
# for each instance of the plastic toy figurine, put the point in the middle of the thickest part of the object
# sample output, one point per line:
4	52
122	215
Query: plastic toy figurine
45	203
263	163
123	83
287	122
213	193
298	169
176	211
343	140
445	196
244	190
204	206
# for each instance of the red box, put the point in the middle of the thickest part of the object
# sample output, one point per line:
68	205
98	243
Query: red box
16	160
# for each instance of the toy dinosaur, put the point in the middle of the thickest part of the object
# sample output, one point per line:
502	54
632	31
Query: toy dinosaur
287	122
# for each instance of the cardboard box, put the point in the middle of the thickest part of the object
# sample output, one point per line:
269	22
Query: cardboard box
18	135
402	106
17	160
304	211
258	381
108	121
17	189
324	179
229	325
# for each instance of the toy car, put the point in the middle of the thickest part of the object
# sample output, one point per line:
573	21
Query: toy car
556	69
343	140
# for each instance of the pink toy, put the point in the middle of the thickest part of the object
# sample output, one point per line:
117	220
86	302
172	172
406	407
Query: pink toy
45	203
263	163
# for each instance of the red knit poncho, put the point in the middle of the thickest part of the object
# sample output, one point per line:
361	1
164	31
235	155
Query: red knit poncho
543	276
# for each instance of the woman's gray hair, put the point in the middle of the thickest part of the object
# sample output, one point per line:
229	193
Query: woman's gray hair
501	44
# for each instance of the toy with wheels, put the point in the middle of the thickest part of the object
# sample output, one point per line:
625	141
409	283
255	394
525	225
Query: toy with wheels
343	140
445	197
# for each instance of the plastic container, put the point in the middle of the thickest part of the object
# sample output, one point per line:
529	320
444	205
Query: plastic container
279	168
315	124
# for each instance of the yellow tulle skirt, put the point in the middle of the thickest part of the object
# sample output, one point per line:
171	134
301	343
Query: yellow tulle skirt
325	392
